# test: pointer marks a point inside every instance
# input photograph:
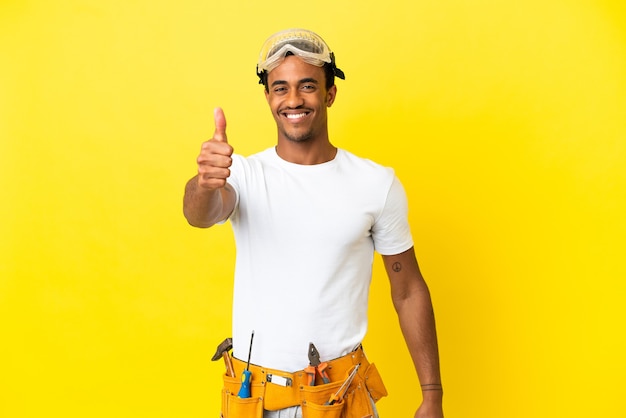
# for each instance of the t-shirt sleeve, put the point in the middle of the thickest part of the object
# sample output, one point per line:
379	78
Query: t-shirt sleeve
391	231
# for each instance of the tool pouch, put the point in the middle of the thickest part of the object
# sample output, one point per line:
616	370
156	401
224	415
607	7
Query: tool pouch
314	398
374	383
235	407
366	389
364	392
312	410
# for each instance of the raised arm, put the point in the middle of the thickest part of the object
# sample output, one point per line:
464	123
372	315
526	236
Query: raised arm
208	196
411	299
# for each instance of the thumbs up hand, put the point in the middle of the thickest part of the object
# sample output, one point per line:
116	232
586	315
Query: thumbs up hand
215	156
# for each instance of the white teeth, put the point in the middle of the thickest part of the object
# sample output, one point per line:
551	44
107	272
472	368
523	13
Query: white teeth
297	116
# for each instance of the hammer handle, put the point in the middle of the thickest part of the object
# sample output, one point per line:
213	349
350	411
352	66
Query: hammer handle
229	364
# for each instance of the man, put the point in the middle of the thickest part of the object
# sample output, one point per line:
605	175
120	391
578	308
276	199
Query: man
307	219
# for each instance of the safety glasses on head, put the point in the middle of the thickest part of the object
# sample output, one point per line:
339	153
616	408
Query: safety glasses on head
303	43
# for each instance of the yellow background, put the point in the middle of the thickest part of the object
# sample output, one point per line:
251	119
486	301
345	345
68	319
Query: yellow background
504	120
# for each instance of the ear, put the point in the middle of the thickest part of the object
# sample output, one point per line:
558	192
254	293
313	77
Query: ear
267	95
330	96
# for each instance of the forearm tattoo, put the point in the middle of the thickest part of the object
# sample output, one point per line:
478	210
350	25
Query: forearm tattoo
397	267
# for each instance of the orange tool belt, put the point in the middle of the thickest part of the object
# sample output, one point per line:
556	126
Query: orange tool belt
275	389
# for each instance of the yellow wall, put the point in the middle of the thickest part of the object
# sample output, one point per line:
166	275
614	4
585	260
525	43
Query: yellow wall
504	120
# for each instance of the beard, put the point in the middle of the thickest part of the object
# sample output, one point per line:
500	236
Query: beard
298	137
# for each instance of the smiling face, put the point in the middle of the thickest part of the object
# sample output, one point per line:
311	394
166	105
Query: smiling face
298	99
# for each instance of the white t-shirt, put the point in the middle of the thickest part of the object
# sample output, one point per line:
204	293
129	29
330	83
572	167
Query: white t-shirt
306	236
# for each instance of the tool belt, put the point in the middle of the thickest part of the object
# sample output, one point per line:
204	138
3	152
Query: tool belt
275	389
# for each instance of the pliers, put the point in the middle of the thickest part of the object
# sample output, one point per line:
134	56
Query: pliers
316	366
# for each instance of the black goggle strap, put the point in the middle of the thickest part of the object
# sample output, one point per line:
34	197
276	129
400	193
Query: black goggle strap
338	73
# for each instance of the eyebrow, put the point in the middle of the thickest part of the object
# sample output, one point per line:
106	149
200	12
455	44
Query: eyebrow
304	80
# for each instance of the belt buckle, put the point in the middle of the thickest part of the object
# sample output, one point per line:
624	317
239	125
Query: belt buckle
279	380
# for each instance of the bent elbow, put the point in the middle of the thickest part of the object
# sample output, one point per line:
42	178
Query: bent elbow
196	221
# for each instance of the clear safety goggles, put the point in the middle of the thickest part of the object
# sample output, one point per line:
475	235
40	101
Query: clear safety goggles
303	43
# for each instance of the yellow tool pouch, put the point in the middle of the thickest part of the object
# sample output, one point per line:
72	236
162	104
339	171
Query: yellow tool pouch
235	407
313	399
366	387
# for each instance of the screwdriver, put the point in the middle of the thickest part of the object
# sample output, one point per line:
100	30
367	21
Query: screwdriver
246	376
337	396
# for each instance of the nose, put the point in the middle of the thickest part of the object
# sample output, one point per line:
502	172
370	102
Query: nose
294	98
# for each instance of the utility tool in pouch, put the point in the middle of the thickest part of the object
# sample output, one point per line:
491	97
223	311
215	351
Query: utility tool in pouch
246	375
316	366
338	396
222	352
